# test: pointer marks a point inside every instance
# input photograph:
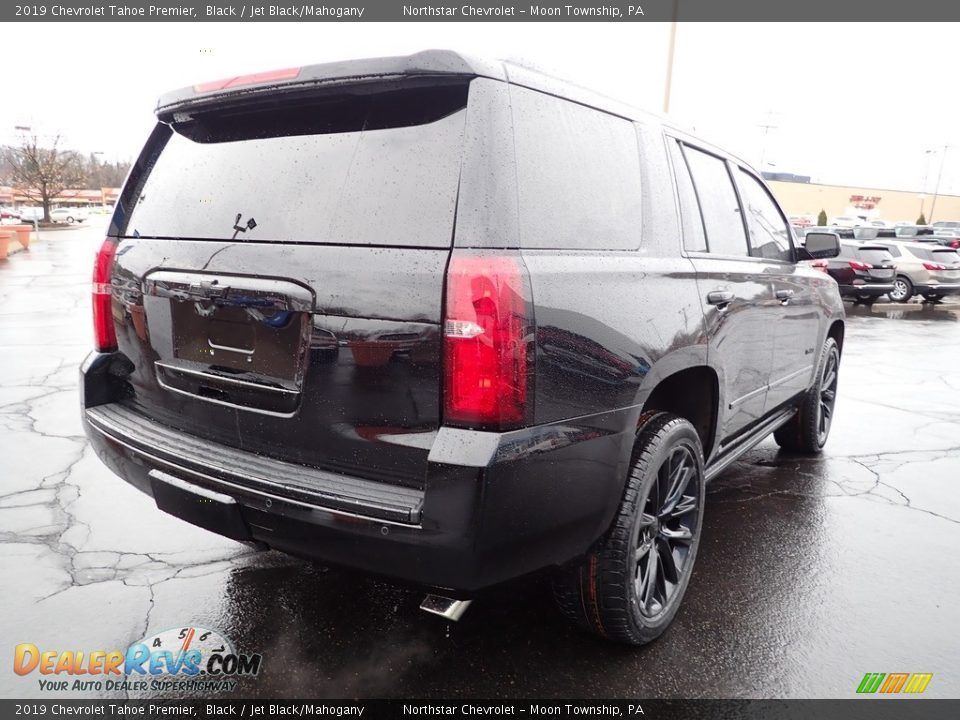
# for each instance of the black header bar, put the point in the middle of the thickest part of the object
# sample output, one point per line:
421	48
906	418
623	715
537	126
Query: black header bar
482	11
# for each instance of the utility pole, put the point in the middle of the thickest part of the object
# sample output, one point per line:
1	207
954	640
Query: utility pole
668	85
766	131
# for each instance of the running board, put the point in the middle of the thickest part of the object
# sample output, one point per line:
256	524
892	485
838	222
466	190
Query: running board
748	442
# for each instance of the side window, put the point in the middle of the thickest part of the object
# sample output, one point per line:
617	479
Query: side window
718	203
579	175
847	252
694	239
893	250
769	233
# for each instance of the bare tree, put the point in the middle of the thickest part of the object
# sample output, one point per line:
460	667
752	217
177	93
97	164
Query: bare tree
41	173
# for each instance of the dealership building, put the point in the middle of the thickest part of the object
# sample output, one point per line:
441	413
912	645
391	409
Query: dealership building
12	197
799	196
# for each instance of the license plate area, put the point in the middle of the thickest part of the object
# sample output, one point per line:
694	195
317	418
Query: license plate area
232	340
199	506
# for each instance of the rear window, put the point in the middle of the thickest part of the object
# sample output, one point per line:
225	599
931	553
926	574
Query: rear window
375	169
874	256
945	256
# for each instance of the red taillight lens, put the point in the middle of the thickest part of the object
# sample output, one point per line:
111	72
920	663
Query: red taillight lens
105	337
820	265
934	266
486	330
855	265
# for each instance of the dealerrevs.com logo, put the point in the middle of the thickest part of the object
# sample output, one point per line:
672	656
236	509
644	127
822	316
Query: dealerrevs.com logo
180	659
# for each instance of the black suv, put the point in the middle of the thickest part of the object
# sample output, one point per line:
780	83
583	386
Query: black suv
452	322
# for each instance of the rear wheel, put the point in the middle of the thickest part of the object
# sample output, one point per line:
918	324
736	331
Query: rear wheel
629	587
902	289
809	429
933	297
867	299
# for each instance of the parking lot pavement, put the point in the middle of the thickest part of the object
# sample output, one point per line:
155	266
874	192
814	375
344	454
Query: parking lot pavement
812	572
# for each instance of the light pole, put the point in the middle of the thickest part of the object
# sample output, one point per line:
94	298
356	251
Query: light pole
936	188
923	187
668	85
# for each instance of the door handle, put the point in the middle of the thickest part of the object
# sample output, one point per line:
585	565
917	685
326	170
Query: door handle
719	297
784	295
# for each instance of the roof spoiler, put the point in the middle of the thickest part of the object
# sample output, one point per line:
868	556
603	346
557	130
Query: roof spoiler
178	104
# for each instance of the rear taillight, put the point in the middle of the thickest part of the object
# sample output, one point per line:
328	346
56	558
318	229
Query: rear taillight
820	265
934	266
487	326
105	337
856	265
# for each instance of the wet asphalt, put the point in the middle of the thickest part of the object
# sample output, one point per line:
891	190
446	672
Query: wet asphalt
812	571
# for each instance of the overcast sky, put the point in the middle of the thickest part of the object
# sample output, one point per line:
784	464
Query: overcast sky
851	104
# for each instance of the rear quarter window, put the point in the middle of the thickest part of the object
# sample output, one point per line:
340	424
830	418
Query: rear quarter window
578	174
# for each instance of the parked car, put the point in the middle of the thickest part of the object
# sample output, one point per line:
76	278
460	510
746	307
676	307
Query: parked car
9	214
947	224
29	214
847	221
69	215
864	272
948	238
511	326
913	231
930	271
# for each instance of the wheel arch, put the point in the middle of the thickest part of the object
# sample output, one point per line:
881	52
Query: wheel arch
692	393
836	332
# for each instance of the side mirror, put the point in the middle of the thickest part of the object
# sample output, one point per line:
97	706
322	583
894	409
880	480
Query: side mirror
821	245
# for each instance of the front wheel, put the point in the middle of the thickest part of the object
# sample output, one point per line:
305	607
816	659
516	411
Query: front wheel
629	587
808	430
902	290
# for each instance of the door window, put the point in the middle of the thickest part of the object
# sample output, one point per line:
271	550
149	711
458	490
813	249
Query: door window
718	203
769	232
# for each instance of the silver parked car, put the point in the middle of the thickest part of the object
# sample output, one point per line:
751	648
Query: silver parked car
923	269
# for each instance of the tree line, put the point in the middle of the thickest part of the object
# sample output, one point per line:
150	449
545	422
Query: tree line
42	170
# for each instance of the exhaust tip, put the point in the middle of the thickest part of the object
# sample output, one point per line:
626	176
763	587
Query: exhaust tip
445	607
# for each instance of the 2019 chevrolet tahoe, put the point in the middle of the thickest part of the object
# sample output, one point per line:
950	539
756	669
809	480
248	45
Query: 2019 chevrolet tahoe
452	322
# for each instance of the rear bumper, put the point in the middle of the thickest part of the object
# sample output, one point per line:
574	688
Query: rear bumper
867	289
938	288
493	506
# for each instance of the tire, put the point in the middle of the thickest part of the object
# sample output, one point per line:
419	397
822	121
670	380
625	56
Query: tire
69	220
621	591
902	290
866	299
808	430
933	297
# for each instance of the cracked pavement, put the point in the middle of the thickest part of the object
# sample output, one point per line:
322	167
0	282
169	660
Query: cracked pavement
812	571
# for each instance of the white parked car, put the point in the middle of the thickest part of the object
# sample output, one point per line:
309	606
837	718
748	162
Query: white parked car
69	215
29	214
846	221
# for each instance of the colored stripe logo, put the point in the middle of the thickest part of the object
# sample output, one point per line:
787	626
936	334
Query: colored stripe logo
892	683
